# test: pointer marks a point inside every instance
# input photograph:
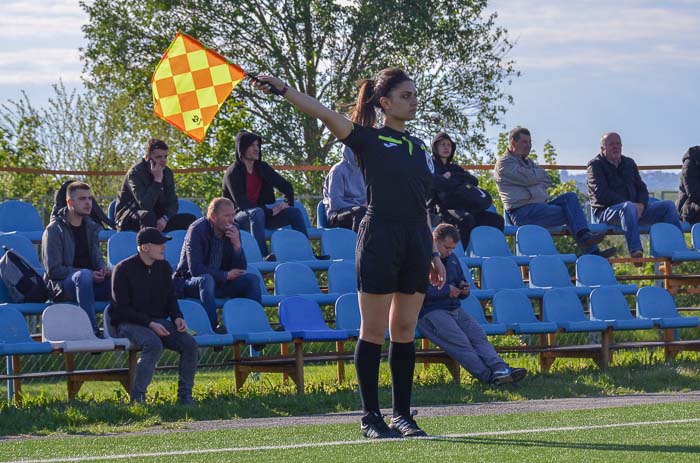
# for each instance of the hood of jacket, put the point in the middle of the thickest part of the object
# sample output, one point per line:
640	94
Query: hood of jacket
693	154
62	216
443	136
243	140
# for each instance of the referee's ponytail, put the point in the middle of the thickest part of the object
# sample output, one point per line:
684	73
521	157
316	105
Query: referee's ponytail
371	90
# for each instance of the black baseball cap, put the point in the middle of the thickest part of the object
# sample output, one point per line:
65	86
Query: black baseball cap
151	235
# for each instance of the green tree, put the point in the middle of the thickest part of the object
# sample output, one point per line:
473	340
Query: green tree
452	48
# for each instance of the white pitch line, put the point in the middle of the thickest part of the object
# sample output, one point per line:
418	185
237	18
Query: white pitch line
353	442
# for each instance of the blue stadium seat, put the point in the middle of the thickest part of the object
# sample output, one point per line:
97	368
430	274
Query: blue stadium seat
321	217
491	242
339	244
347	314
666	240
609	305
471	306
303	318
695	236
657	304
293	246
186	206
22	218
247	321
198	321
268	300
295	279
514	310
14	335
342	278
112	210
533	240
595	271
549	272
120	246
478	292
252	254
563	307
503	273
173	248
461	254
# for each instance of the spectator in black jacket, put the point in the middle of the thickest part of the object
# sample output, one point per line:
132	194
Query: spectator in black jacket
250	183
145	310
620	197
688	202
147	197
457	198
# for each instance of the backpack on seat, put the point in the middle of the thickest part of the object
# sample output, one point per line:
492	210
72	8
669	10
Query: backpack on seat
23	283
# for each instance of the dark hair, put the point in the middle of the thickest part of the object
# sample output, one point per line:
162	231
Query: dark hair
444	231
155	144
74	186
371	90
516	132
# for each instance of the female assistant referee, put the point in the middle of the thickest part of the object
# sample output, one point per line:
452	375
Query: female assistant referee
395	255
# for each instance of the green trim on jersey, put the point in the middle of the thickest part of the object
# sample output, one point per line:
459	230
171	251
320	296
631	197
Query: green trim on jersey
393	140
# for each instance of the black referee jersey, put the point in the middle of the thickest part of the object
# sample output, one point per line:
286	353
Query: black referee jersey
398	171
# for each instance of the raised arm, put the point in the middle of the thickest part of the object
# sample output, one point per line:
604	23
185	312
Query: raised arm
339	125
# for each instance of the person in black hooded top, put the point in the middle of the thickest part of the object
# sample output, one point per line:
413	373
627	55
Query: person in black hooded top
688	202
250	184
456	196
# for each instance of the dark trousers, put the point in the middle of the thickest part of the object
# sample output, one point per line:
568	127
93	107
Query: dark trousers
141	219
466	221
349	218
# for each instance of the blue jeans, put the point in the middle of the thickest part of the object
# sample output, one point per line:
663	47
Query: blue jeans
80	287
562	210
206	290
625	215
464	340
151	346
254	221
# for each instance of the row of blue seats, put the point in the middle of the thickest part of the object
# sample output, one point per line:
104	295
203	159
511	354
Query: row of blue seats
301	318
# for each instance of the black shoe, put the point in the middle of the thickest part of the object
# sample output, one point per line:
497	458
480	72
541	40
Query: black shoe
186	401
588	239
503	376
270	258
406	426
518	374
374	427
605	253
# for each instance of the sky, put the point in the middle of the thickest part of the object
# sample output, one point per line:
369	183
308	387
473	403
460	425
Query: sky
587	67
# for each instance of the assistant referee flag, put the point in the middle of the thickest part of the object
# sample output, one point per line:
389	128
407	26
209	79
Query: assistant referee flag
190	84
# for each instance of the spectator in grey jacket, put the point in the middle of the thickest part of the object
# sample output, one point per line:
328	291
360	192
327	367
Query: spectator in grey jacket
522	185
344	193
620	197
70	250
147	197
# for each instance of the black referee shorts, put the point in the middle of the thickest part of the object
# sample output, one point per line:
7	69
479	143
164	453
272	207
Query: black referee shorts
393	256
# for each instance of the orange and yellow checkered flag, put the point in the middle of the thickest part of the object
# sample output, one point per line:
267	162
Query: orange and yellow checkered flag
190	84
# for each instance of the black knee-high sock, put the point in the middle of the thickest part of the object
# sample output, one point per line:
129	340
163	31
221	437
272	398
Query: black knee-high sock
402	361
367	358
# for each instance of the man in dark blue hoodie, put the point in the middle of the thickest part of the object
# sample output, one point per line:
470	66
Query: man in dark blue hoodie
443	321
344	193
250	183
457	199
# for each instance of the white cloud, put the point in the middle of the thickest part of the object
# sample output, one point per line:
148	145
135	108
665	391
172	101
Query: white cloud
33	66
627	33
42	19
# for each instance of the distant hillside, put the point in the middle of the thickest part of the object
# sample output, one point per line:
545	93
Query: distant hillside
656	180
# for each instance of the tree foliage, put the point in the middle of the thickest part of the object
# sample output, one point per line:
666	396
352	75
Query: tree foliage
452	48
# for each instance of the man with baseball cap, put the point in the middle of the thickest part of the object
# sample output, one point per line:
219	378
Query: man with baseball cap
144	309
